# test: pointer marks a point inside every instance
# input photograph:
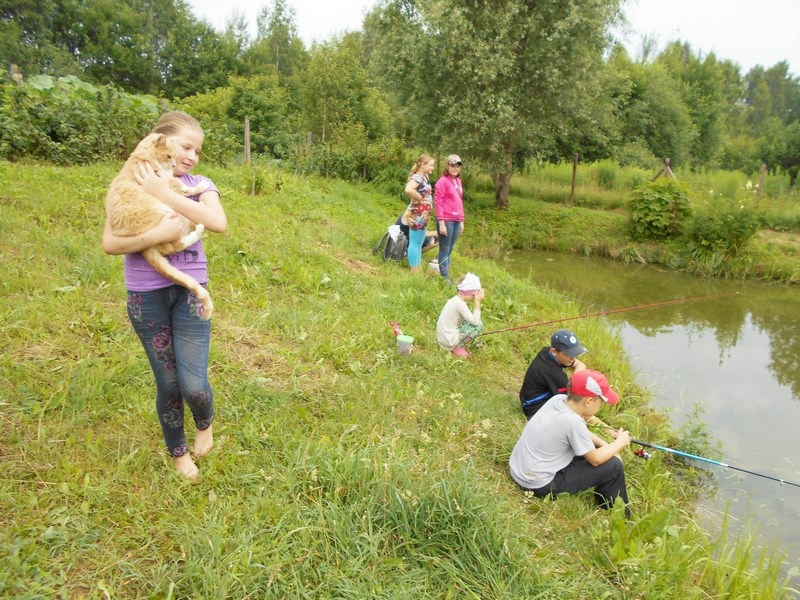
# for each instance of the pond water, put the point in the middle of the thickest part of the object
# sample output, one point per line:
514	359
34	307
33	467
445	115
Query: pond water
734	357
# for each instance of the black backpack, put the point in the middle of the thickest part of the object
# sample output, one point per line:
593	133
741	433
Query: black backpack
392	250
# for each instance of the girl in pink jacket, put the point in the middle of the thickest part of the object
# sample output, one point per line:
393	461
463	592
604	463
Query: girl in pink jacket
448	202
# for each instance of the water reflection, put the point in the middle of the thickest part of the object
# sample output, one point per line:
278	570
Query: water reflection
735	357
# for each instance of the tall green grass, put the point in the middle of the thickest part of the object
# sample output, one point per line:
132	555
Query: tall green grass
341	469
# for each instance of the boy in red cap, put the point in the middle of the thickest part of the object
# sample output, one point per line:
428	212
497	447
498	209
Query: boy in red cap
557	453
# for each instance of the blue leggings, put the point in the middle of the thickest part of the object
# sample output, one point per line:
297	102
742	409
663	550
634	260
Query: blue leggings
415	239
176	341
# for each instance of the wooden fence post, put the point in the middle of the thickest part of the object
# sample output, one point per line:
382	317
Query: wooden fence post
16	74
762	174
246	140
666	172
574	177
247	154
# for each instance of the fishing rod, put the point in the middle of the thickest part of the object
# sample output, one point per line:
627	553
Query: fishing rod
708	460
605	312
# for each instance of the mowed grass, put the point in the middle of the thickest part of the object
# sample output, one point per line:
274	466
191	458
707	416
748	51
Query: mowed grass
341	469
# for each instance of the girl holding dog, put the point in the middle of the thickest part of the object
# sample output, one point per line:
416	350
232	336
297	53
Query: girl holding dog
166	316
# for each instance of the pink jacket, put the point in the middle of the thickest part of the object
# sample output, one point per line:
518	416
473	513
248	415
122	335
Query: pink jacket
448	199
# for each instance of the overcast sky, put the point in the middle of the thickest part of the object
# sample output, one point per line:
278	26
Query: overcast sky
747	33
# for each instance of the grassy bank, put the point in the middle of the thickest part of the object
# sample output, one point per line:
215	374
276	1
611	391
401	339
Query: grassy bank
341	469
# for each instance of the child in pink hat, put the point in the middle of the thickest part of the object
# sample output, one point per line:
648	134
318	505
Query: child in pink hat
457	324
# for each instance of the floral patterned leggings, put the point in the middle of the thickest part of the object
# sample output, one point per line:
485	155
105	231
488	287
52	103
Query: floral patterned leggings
176	341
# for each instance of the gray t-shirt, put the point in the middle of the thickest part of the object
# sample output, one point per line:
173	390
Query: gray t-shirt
550	441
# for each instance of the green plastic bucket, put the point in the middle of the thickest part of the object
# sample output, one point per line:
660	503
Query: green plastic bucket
404	344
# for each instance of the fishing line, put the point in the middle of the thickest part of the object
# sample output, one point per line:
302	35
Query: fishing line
605	312
549	289
713	462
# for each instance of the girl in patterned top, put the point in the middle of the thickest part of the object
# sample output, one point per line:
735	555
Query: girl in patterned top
416	216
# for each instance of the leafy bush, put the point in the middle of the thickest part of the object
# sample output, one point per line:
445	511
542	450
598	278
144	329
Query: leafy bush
723	229
266	103
353	157
658	210
345	158
636	178
224	136
66	121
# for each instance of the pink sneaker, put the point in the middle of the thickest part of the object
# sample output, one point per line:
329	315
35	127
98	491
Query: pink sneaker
460	352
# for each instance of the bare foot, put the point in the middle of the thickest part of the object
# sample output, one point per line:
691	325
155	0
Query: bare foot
185	466
203	441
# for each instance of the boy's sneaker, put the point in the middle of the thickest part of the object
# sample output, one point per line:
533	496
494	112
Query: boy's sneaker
460	352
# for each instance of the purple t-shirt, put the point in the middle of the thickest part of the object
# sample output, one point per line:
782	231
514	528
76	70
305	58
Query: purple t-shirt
141	277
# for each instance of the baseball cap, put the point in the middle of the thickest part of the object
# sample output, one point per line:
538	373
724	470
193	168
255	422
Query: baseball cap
566	341
593	383
454	159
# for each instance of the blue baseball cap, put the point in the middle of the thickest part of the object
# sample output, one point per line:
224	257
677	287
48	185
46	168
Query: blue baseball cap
567	342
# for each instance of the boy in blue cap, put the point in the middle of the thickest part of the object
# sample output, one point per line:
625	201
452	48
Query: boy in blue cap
546	374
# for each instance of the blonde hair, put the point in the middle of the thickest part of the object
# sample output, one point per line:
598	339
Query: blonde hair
423	158
172	122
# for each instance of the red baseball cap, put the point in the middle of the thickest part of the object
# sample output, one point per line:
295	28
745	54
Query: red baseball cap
593	383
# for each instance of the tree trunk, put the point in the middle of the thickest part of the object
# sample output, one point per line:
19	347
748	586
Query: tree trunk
502	183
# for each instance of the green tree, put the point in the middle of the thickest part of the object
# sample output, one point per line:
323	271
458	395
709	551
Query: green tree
277	43
335	91
262	99
30	34
197	59
237	29
146	46
114	46
702	89
491	79
760	114
782	88
657	114
789	159
594	131
223	135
